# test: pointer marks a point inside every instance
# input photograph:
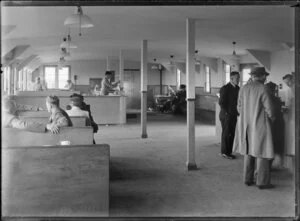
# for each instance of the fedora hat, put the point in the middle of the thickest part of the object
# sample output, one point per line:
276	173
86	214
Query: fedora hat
258	71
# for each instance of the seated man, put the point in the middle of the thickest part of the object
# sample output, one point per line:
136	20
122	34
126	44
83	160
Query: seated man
58	118
11	120
76	111
178	102
86	107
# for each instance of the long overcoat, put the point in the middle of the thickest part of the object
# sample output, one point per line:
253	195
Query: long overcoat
253	135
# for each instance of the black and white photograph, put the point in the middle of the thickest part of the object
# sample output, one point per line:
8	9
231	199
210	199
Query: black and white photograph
150	110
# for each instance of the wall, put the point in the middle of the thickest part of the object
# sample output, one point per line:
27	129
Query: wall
282	63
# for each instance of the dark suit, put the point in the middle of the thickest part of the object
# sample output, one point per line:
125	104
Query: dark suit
228	116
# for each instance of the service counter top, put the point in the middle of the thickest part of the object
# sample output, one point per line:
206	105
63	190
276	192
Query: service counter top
104	109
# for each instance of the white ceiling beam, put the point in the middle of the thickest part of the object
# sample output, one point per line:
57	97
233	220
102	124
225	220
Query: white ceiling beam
209	61
26	61
262	57
13	54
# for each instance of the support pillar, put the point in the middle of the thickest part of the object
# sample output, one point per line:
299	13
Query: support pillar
190	80
297	106
121	68
108	64
144	83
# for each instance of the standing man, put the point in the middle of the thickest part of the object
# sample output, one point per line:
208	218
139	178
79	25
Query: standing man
228	114
107	84
290	115
253	136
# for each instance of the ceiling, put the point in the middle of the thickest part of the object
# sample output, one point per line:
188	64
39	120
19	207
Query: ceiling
121	27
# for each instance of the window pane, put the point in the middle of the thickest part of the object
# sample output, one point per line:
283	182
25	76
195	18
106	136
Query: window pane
246	75
227	72
50	76
178	77
207	81
63	76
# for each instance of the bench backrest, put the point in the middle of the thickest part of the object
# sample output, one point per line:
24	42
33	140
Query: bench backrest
75	135
77	121
55	181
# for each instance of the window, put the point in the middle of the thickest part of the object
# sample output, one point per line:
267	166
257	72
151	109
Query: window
56	77
63	76
207	80
245	75
178	81
227	73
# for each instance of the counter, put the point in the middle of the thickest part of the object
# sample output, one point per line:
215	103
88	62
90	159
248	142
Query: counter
105	109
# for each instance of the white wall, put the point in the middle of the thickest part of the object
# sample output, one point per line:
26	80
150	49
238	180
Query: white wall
282	63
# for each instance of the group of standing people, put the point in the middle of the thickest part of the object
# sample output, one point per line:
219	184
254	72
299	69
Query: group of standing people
250	118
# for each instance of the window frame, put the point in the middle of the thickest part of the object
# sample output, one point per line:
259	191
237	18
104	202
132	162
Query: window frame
57	74
207	83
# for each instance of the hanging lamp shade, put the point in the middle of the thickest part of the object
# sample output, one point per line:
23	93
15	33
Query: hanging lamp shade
234	55
64	53
78	19
67	43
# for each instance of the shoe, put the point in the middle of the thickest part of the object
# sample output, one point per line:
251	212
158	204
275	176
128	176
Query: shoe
249	183
269	186
227	156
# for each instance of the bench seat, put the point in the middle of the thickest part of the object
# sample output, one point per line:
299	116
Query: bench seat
75	135
55	181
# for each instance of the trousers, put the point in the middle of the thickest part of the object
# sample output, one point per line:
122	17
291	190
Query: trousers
228	124
262	170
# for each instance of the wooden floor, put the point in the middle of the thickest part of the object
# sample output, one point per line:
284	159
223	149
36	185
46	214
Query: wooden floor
149	176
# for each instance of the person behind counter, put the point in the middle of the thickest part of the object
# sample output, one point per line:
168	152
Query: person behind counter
38	86
97	90
69	86
107	85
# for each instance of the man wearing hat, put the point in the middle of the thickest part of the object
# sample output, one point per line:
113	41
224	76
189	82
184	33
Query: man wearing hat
253	136
228	114
85	107
76	111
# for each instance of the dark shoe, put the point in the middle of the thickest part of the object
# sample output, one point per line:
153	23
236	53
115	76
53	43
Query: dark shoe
269	186
249	183
226	156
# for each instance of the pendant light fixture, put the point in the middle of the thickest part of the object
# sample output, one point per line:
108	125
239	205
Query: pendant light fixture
67	42
234	56
79	20
64	52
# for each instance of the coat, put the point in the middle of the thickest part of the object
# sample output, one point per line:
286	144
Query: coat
253	134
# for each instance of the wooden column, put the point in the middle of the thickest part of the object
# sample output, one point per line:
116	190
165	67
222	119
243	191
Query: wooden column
121	78
190	80
108	64
121	68
160	79
297	111
144	83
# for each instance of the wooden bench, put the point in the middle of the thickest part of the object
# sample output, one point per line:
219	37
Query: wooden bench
77	121
55	181
75	135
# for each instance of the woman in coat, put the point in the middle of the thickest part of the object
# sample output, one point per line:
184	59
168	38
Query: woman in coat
253	135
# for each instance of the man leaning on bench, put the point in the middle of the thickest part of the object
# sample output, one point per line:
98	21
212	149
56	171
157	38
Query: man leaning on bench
41	147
